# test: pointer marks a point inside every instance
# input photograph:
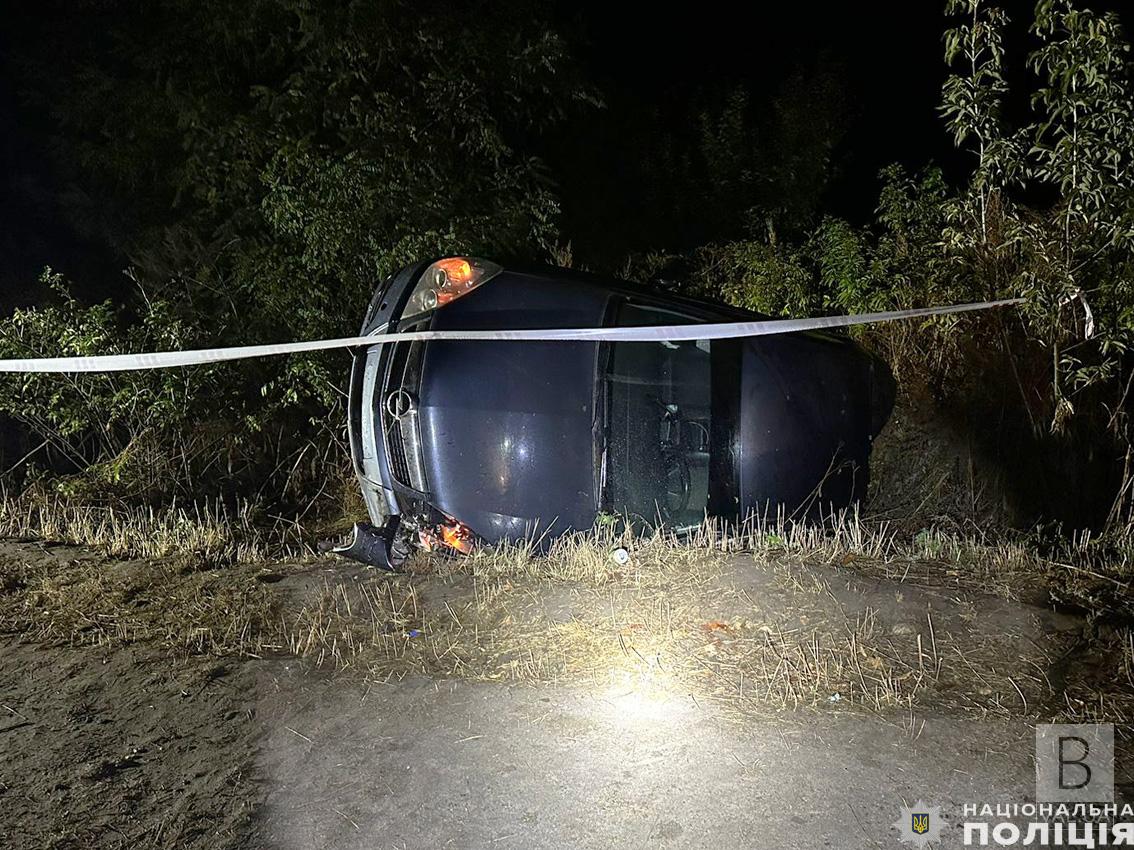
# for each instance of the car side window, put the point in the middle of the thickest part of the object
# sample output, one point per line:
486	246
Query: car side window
658	410
628	313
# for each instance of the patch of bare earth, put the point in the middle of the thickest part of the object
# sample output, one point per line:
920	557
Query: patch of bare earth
134	693
124	747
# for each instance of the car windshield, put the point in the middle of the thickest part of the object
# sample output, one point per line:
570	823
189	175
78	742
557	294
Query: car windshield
658	425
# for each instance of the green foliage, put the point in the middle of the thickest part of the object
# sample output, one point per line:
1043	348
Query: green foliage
909	265
843	266
901	262
1073	255
1084	148
931	244
263	166
1082	142
114	407
295	153
754	173
973	96
761	276
733	163
811	117
104	419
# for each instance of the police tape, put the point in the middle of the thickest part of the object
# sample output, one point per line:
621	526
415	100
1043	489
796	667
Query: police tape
659	333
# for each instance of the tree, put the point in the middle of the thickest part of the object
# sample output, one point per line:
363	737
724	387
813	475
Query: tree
275	159
973	99
262	166
1074	253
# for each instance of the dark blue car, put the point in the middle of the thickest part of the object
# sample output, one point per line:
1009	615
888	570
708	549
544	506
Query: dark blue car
456	442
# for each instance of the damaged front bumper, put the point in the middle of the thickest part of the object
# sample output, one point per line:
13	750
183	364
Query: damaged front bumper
373	546
382	547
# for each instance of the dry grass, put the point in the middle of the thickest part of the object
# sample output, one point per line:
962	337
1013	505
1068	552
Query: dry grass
175	576
84	601
658	558
609	638
932	556
671	617
771	666
211	531
578	616
1100	687
506	612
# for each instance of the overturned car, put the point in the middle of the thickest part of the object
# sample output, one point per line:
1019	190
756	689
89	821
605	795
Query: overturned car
456	442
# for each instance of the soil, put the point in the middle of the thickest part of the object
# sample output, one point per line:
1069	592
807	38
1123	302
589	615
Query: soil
927	472
138	747
125	748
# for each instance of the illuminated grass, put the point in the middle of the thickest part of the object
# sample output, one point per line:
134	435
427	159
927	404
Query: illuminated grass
211	531
670	618
677	616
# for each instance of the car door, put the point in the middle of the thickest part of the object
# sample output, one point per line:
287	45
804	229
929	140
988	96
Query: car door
657	400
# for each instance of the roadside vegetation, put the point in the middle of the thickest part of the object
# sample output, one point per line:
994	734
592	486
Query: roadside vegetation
772	616
284	235
260	212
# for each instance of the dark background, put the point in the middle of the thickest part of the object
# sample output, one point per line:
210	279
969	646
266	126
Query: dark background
829	94
656	67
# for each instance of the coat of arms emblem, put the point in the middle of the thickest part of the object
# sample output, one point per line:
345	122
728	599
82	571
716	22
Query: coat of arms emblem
920	825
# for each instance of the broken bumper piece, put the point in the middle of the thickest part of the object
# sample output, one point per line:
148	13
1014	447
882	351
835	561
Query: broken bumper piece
372	546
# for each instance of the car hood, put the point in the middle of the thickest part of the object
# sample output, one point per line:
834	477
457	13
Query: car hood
506	433
507	428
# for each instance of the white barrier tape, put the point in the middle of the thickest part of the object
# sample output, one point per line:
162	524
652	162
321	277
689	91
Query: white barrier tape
674	333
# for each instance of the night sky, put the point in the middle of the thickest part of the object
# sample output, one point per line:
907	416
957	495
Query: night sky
890	60
651	59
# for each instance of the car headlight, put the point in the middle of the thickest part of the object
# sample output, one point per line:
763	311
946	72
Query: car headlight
447	280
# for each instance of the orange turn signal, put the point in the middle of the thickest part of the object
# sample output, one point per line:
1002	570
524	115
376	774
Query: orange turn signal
457	536
448	279
457	269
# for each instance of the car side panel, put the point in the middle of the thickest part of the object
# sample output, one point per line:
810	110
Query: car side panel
806	424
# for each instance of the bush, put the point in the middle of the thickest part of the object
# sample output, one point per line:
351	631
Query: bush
1071	259
99	418
156	433
264	166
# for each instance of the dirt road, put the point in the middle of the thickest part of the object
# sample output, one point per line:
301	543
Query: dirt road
484	765
121	750
125	748
139	746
